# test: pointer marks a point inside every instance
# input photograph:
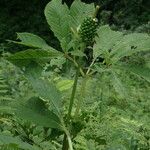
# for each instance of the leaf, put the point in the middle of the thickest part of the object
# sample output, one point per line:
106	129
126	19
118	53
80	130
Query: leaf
118	44
98	67
118	85
62	20
106	39
77	53
45	89
130	44
64	84
6	109
34	110
25	57
57	16
7	139
140	71
32	40
79	11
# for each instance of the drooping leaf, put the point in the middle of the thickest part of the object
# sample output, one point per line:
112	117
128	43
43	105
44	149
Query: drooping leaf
7	140
140	71
34	110
130	44
45	89
25	57
105	40
32	40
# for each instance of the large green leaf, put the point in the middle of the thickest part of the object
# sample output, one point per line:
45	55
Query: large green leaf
130	44
118	44
45	89
25	57
57	16
32	40
61	19
140	71
118	85
35	110
105	40
7	140
79	11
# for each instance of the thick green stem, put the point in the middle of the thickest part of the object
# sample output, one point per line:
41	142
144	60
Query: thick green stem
66	141
73	95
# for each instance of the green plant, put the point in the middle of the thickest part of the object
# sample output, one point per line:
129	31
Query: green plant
110	46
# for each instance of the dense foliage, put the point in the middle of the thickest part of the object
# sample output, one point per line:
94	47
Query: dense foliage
72	92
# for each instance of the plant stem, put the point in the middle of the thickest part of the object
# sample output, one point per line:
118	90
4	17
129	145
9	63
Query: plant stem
66	140
75	63
73	94
83	88
67	143
90	66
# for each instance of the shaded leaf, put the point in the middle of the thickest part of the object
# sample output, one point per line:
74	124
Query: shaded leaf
45	89
34	110
23	58
7	139
140	71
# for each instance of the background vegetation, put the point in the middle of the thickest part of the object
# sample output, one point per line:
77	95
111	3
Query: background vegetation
110	122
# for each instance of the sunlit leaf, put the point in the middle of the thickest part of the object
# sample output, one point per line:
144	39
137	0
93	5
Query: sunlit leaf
64	84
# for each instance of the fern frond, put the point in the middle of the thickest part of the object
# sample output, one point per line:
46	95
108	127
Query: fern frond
5	94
